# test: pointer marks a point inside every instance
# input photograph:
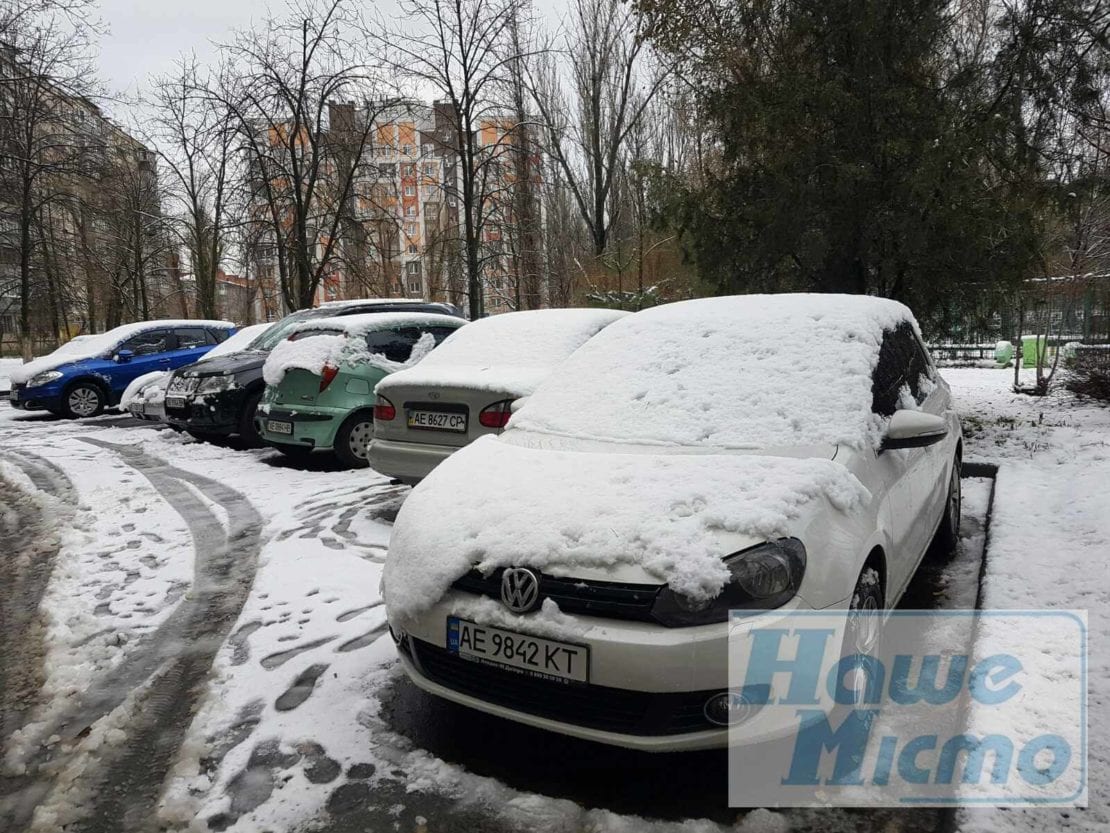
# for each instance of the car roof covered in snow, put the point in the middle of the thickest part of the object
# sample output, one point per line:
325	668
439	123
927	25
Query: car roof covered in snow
514	351
357	324
744	372
97	344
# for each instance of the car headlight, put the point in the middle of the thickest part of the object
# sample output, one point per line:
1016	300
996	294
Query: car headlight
214	384
44	378
763	577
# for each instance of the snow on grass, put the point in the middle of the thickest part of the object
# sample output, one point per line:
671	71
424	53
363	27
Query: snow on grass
7	367
1049	540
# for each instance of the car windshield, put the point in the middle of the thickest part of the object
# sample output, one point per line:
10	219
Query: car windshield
276	334
751	372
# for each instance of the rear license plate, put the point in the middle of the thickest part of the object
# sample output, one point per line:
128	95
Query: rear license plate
175	402
544	658
438	421
279	427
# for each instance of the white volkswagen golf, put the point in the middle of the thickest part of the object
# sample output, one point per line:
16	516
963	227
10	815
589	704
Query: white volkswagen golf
576	573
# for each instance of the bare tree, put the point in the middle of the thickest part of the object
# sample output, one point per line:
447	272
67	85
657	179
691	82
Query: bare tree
44	80
463	51
611	83
305	147
196	139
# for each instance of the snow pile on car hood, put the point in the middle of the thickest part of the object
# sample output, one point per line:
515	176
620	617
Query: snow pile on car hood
150	387
748	372
511	353
496	504
91	346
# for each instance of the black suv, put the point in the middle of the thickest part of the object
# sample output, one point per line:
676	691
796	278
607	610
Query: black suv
218	397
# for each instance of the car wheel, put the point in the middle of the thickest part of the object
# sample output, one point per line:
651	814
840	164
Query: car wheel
84	399
863	630
352	440
248	428
948	533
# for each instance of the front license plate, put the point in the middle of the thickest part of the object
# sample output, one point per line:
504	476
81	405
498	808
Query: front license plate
13	396
438	421
176	402
279	427
150	409
544	658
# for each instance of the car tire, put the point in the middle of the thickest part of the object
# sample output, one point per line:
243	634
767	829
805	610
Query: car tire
864	629
353	439
248	428
947	536
83	399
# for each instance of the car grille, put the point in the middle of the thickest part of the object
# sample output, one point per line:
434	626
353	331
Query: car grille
607	599
593	706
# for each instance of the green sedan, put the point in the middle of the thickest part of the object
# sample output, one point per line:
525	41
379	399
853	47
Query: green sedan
320	381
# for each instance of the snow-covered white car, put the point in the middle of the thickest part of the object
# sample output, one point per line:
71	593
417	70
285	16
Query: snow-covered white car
466	388
773	453
145	397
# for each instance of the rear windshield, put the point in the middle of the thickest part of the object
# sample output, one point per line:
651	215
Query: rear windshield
396	344
269	339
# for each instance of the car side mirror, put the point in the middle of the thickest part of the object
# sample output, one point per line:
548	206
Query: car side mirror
124	356
914	429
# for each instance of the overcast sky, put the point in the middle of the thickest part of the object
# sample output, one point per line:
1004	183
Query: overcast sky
145	37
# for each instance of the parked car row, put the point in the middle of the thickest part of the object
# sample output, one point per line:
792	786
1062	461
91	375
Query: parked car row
597	490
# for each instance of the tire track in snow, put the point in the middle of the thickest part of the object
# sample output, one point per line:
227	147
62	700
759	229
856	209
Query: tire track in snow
160	680
30	543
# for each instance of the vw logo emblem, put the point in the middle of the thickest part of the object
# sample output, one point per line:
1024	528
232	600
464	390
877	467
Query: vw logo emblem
520	589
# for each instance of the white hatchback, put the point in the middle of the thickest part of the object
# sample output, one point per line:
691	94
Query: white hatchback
576	572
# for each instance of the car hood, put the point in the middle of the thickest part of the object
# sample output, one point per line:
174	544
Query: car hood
231	363
660	515
25	372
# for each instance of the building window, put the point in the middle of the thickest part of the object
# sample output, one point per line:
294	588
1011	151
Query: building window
410	190
411	229
412	249
410	211
413	268
414	286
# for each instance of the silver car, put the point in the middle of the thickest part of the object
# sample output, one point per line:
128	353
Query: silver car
467	387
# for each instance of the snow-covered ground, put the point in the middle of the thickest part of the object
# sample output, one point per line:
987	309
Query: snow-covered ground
171	548
6	368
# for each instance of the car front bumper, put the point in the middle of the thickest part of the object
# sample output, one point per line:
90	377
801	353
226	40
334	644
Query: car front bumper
408	462
647	689
38	398
211	413
312	427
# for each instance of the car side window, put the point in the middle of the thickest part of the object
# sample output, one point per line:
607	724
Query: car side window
396	345
188	337
440	333
893	370
148	343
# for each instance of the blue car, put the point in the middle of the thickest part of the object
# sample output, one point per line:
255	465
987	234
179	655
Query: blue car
90	373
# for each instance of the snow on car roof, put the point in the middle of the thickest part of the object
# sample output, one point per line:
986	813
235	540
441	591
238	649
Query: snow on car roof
333	346
662	512
747	371
97	344
358	324
513	352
